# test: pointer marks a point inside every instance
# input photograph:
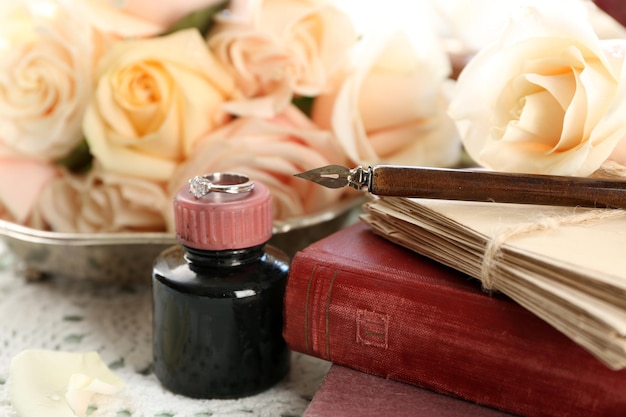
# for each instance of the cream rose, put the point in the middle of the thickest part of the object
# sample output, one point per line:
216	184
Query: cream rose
270	151
154	98
281	48
102	201
619	153
392	107
45	78
549	97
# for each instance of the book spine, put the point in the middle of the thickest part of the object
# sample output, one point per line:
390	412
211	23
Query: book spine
466	344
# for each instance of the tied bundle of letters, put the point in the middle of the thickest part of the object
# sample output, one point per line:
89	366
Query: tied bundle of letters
565	264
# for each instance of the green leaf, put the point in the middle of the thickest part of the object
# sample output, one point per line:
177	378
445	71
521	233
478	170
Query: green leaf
305	104
79	159
199	19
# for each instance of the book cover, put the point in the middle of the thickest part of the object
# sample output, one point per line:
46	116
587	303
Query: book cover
358	300
346	392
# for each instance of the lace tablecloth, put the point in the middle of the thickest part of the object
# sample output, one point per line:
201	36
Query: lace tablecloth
80	316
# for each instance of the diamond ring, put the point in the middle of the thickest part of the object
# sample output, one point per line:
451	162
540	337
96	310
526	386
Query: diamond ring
220	182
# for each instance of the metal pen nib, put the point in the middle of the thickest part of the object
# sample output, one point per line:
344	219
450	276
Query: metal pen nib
337	176
474	185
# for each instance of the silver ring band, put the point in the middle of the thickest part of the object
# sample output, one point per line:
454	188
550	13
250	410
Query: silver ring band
220	182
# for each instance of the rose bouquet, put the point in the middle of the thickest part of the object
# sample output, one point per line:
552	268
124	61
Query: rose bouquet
108	107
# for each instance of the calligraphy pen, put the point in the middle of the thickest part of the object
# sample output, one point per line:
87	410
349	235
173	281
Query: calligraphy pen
473	185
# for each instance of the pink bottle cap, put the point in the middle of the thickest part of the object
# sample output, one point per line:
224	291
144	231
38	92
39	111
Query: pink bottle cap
223	211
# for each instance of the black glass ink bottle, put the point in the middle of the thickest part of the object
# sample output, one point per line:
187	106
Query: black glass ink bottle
218	295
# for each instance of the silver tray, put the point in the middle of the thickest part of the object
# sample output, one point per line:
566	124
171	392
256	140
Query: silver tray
128	257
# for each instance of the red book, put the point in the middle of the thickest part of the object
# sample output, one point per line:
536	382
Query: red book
358	300
346	392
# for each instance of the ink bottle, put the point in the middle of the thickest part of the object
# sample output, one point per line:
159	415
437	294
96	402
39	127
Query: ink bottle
218	294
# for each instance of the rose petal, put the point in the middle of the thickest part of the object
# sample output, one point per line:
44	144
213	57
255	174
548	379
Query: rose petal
21	183
58	384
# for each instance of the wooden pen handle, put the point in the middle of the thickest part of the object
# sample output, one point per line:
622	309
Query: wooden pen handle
502	187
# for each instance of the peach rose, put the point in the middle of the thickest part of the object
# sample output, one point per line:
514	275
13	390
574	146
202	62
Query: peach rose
392	107
549	97
45	78
21	183
102	201
270	151
123	18
165	13
114	20
154	98
278	48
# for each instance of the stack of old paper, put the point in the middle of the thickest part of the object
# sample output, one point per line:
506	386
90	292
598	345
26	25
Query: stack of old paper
566	264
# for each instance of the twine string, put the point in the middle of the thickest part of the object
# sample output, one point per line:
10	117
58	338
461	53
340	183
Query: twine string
610	169
493	251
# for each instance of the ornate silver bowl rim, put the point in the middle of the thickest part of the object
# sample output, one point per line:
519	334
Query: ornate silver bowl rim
125	255
27	234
